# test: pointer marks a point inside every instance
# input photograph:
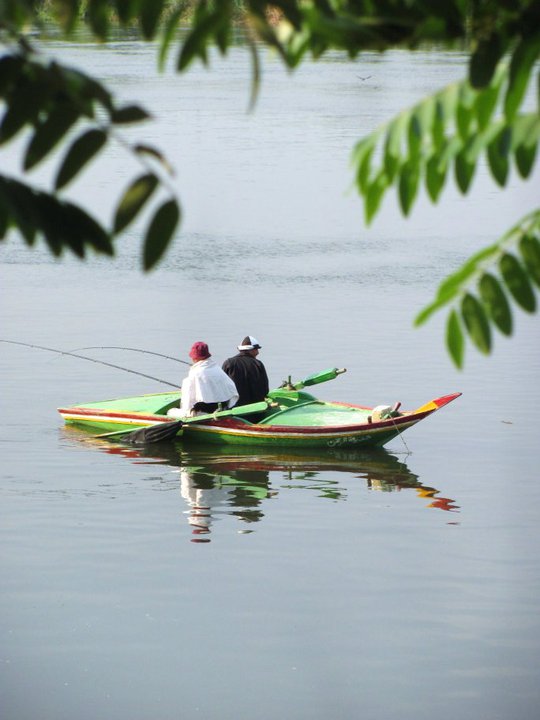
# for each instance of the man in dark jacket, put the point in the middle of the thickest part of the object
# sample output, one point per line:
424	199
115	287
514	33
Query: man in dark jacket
248	373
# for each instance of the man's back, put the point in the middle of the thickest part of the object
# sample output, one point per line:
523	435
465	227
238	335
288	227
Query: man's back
249	376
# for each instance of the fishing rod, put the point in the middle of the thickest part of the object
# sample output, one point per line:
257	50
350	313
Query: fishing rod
85	357
116	347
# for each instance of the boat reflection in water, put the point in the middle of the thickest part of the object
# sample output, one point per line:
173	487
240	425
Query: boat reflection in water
239	481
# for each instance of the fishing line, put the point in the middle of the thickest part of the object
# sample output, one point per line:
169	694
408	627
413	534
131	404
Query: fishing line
409	452
116	347
84	357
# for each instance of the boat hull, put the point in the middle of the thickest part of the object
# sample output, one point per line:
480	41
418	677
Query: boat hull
299	422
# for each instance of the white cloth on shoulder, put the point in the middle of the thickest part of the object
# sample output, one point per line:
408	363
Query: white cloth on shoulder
206	382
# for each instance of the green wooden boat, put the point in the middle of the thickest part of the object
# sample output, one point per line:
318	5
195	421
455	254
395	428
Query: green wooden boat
293	419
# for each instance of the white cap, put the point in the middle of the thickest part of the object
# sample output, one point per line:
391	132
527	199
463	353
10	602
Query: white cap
249	343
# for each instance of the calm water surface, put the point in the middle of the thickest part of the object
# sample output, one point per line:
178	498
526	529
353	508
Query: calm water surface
171	583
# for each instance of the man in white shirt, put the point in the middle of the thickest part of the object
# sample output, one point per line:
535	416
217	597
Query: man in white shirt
206	387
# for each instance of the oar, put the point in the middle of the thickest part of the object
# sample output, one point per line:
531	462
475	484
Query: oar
319	377
168	430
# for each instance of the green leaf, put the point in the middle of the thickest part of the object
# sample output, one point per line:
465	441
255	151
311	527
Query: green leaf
435	176
10	71
426	113
31	97
5	219
126	10
526	130
150	13
525	137
498	152
454	339
364	172
517	282
486	100
393	145
67	13
129	114
454	284
447	102
523	59
449	151
409	178
373	196
361	157
464	170
196	41
142	149
79	154
476	323
80	225
439	124
19	201
496	303
160	233
255	73
414	134
133	200
529	247
53	227
49	133
484	60
465	110
525	157
171	26
97	14
82	89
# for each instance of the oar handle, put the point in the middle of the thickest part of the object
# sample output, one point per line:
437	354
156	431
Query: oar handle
237	410
320	377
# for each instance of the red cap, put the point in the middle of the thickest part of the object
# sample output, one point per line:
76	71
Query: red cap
199	351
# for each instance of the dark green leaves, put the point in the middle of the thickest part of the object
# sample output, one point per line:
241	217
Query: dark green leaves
454	339
487	304
408	185
476	323
495	303
521	65
49	100
209	25
134	200
49	133
517	282
529	247
79	154
29	94
160	233
455	127
62	224
485	59
150	14
129	114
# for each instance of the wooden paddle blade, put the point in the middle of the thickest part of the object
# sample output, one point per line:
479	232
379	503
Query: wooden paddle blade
153	434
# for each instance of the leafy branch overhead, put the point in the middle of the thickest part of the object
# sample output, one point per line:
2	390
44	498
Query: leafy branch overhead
53	103
450	132
480	293
482	117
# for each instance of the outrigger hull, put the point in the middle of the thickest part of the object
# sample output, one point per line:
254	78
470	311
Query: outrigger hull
295	420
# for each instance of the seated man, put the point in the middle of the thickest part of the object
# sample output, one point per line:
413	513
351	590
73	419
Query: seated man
248	373
206	387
